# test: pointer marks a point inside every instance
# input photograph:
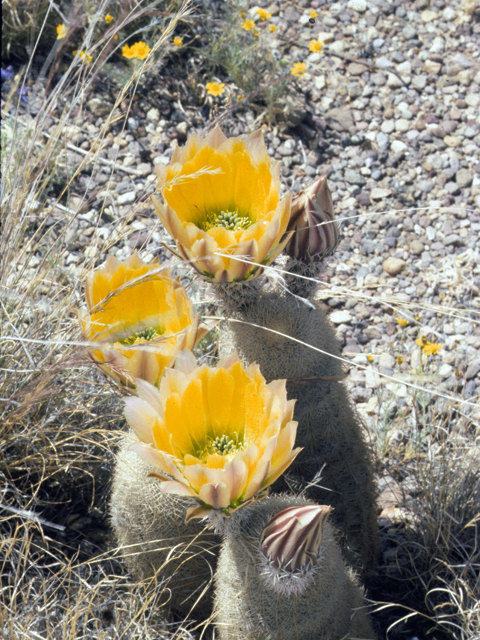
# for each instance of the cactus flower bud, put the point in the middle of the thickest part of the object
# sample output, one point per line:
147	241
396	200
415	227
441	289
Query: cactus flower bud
290	541
312	219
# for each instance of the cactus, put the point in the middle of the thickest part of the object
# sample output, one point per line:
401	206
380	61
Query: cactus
280	578
329	430
156	543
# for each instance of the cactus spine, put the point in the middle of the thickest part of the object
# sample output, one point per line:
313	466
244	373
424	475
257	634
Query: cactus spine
328	428
255	600
151	532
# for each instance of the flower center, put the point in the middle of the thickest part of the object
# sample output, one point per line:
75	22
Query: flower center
228	219
221	445
149	333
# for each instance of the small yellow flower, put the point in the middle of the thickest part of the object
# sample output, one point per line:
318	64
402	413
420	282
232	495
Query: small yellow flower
222	196
108	18
217	434
429	348
138	50
401	321
399	359
215	88
141	50
272	28
141	318
313	14
61	31
247	25
264	14
299	69
370	358
83	55
127	52
240	96
177	41
315	46
255	32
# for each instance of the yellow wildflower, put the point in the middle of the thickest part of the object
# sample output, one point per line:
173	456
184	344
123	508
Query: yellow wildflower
264	14
313	14
108	18
61	31
401	321
247	25
222	197
315	46
140	316
255	32
217	434
177	41
83	55
299	69
215	88
240	96
370	358
272	28
138	50
429	348
399	359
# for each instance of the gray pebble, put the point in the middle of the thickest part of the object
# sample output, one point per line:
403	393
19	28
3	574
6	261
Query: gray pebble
463	178
126	198
353	177
409	32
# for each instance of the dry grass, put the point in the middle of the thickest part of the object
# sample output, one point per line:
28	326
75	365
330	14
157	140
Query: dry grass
60	422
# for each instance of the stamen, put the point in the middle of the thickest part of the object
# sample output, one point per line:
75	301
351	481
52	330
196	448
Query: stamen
222	445
149	333
227	219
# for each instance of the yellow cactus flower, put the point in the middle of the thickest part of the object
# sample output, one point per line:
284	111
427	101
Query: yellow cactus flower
315	46
222	205
299	69
264	14
141	315
61	31
177	41
217	434
215	88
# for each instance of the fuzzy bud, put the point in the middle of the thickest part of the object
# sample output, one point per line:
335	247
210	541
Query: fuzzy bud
312	220
292	538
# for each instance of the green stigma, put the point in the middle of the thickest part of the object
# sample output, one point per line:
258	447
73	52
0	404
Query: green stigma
228	219
149	333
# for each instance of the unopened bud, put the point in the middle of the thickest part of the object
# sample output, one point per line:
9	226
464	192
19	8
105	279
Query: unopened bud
313	222
290	541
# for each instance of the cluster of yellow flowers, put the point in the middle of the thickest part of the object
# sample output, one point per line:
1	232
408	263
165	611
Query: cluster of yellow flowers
219	434
138	50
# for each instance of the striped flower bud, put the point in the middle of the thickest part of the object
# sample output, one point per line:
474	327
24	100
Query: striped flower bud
290	541
312	220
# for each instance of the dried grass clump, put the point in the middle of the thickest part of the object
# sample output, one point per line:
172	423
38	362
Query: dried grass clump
443	535
59	420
